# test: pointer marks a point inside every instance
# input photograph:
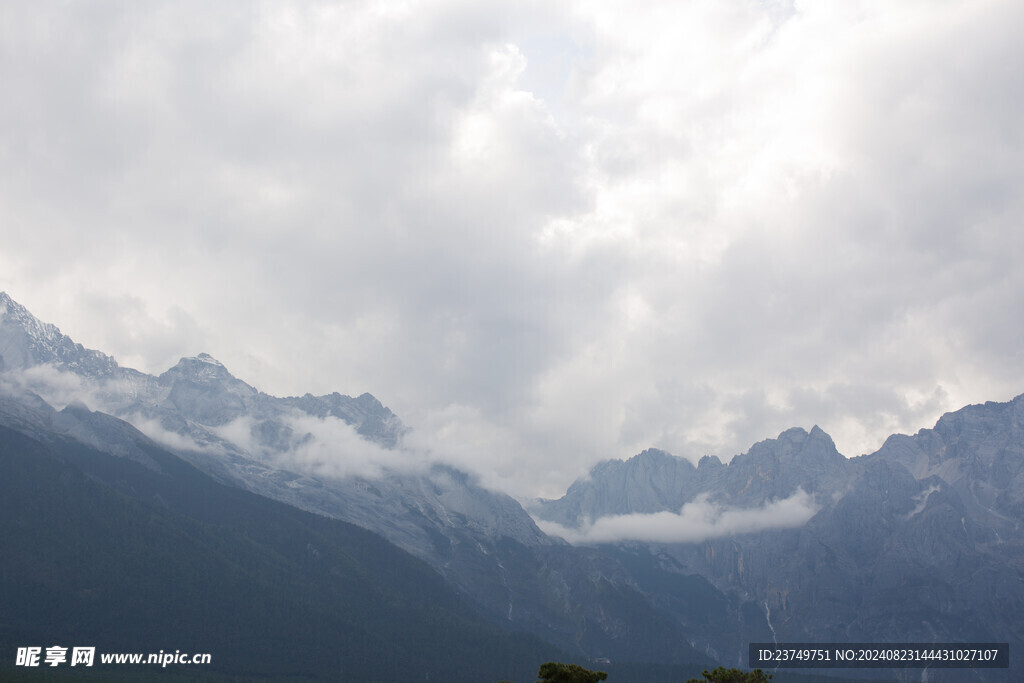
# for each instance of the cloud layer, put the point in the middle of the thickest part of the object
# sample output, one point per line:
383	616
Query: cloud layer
697	521
543	237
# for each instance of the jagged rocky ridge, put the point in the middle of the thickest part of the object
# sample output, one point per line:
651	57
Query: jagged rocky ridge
921	541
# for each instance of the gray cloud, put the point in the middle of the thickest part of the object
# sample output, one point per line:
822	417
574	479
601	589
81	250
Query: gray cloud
542	237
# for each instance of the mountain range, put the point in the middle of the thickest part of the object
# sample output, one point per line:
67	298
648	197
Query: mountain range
920	541
647	562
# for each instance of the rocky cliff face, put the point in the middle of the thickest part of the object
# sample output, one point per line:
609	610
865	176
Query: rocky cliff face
921	541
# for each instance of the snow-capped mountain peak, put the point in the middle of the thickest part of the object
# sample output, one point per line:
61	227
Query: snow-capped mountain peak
14	316
26	341
208	359
203	368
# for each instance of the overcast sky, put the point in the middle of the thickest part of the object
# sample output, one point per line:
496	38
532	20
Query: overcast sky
545	234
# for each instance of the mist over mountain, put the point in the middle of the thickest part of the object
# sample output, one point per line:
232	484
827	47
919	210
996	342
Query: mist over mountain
144	553
649	560
341	457
922	540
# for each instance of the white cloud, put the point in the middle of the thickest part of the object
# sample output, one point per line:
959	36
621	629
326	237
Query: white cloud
334	449
696	521
152	428
320	446
56	387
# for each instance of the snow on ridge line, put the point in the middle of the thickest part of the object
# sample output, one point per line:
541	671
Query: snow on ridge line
206	358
